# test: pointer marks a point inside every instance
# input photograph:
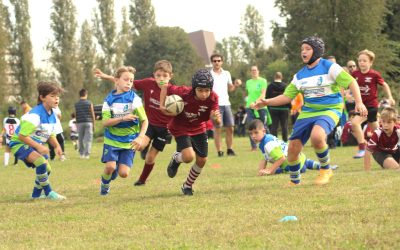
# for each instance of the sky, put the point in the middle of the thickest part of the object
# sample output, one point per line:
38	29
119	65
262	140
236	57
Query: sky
222	17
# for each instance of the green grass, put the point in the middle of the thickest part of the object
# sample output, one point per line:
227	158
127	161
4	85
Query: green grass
232	208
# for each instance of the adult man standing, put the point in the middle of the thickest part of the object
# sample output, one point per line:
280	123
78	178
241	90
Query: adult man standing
223	84
85	123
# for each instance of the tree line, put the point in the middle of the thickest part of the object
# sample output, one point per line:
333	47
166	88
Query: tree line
346	27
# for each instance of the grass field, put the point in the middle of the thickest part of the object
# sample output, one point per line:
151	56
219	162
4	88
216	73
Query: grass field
232	208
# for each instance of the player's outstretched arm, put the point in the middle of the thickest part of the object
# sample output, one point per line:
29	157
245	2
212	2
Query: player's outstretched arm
100	74
367	161
262	165
388	94
276	101
271	170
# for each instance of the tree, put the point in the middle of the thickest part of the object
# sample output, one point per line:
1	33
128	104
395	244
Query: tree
23	58
169	43
124	39
344	34
87	57
5	44
105	31
252	27
64	50
141	14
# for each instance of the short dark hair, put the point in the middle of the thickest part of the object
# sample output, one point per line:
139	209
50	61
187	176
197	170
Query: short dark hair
83	92
46	88
216	55
256	124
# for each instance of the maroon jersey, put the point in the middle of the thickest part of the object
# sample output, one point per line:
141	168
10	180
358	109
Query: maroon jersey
380	142
151	97
346	132
195	114
368	84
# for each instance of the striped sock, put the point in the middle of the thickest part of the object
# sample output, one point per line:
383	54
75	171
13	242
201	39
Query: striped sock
193	174
323	157
313	165
43	178
106	178
294	171
37	189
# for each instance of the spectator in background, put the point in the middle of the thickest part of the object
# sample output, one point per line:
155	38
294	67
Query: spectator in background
279	114
349	99
85	123
331	58
256	87
347	137
223	85
25	107
240	121
73	131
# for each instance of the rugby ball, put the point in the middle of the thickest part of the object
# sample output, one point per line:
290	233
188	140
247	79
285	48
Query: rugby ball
174	104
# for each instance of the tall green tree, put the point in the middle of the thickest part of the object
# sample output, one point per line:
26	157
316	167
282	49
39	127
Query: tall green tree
87	57
124	39
252	28
169	43
344	34
64	49
105	30
23	57
141	14
5	45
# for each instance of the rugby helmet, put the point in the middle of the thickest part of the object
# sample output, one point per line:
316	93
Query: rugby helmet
202	79
318	46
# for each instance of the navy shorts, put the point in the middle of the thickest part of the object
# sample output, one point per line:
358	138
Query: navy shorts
303	127
119	155
23	153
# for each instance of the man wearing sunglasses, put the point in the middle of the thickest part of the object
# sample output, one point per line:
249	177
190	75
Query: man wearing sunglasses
223	85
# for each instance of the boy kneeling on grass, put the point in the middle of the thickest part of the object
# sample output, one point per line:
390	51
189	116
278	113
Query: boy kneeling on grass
384	143
275	152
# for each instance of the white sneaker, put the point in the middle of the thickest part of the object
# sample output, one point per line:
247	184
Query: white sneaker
62	158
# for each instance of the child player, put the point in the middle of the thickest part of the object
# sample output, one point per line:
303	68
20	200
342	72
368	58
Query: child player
189	127
157	131
36	128
385	142
275	152
319	81
125	123
10	124
368	81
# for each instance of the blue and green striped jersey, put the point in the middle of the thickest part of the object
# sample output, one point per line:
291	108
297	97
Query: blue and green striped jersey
38	124
118	105
320	86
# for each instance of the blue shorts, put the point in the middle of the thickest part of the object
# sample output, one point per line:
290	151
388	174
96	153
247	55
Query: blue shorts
23	153
119	155
303	127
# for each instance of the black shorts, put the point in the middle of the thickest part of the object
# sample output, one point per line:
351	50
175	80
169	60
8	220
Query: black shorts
199	143
372	114
380	156
159	135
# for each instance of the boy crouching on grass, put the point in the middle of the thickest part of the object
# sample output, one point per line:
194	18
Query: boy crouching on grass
37	127
385	142
275	152
125	123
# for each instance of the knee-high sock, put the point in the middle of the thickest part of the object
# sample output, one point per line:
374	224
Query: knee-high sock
106	178
310	164
37	189
193	174
323	157
294	171
146	172
6	158
43	178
